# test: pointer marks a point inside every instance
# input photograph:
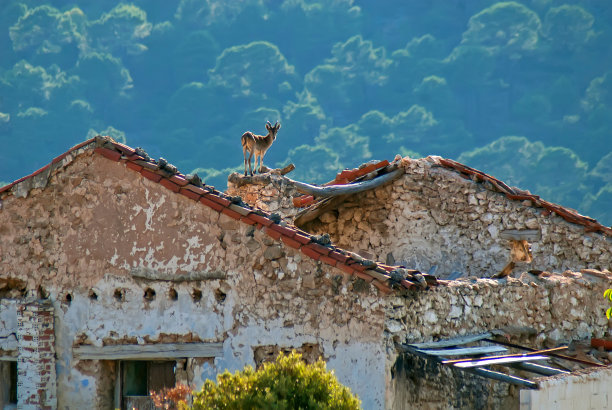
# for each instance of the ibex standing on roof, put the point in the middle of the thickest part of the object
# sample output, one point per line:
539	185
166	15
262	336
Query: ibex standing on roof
258	145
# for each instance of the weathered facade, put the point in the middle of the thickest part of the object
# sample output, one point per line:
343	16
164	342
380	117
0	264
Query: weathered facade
124	261
115	270
433	216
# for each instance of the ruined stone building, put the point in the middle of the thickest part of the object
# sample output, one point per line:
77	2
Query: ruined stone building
120	275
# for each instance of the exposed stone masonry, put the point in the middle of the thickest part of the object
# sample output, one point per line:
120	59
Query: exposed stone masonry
432	217
557	309
268	191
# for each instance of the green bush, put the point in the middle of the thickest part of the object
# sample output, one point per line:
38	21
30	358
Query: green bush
288	383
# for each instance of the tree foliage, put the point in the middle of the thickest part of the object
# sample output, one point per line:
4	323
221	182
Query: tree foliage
288	383
350	81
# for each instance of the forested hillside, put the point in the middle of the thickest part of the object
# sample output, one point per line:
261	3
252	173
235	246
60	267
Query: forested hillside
520	90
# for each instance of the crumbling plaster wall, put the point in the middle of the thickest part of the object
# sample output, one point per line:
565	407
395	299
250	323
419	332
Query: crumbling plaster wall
559	309
8	327
433	217
99	228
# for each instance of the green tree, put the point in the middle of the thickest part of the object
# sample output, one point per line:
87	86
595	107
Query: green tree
507	27
47	35
288	383
348	82
120	31
304	157
257	71
555	173
568	27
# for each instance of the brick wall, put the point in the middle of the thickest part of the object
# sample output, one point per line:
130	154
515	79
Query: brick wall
36	379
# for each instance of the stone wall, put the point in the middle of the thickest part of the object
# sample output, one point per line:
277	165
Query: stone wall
433	219
589	390
94	240
270	192
558	309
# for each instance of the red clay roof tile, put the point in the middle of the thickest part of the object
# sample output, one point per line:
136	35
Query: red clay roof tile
260	219
283	230
310	253
323	250
170	185
301	238
110	154
339	257
363	276
134	166
190	194
291	242
231	214
328	260
217	207
272	233
245	219
290	236
382	287
218	199
346	268
179	180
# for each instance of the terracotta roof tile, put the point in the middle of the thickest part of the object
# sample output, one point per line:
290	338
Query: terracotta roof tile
346	268
283	230
291	236
218	199
217	207
177	179
291	242
339	257
150	175
272	233
134	166
231	214
328	260
110	154
363	276
323	250
170	185
260	219
344	177
190	194
568	214
301	238
246	220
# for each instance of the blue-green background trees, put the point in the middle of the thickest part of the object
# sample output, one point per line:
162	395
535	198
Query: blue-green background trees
521	90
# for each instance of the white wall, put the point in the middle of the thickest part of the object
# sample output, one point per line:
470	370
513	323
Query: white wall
585	390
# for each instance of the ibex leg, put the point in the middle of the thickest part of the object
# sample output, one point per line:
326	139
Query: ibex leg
244	151
250	157
260	161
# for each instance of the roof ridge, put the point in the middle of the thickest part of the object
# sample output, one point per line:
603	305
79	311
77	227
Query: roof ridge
385	278
54	164
515	194
490	183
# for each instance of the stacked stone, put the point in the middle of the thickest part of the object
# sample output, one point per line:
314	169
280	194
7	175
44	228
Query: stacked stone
36	378
433	218
269	192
